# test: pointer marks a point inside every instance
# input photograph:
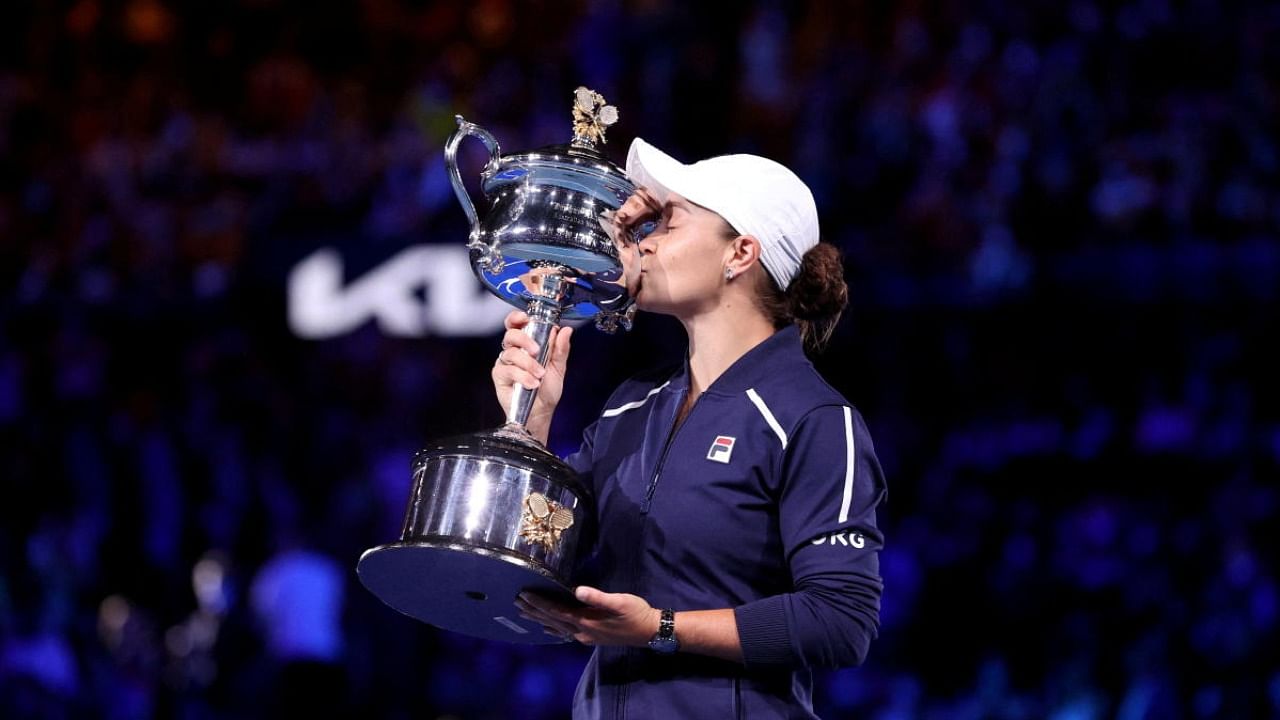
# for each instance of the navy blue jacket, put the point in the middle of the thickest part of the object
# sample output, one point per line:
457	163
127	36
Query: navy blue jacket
763	500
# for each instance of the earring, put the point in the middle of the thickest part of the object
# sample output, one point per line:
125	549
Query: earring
728	274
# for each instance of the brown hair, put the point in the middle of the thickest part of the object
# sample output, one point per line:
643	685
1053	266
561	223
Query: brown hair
815	299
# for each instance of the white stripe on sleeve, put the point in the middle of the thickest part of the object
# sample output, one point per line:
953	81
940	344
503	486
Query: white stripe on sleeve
850	459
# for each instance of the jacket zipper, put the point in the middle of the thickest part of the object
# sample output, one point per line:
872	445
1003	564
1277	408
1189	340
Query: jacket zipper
662	460
620	709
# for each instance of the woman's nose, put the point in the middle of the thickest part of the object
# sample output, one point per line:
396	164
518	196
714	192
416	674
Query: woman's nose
648	243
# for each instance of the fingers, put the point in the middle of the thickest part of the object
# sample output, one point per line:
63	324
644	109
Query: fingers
630	209
612	602
555	619
650	201
516	319
641	204
521	352
607	619
518	361
514	366
547	608
516	338
551	625
560	348
587	594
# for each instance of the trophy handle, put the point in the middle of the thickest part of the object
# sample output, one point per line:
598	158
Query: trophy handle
489	257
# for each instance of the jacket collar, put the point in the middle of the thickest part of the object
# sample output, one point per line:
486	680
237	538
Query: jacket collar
755	367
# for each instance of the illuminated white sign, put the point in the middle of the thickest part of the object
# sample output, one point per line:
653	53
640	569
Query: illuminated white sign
423	290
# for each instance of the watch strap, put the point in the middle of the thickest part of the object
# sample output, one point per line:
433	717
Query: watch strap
664	641
667	625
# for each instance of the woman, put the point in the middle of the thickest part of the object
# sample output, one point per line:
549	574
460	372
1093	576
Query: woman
737	492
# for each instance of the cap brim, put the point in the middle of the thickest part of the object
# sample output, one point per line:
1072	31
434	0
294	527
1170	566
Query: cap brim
661	174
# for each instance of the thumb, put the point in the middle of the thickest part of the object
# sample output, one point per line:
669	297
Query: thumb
613	602
560	348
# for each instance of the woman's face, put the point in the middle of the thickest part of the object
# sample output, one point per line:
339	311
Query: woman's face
682	260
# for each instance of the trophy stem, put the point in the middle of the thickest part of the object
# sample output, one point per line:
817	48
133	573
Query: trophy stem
544	314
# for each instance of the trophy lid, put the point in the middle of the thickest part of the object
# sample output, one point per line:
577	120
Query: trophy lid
576	165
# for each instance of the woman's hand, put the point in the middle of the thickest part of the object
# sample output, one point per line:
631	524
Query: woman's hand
639	207
518	363
629	621
604	619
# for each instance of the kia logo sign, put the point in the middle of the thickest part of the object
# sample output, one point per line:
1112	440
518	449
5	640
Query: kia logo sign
423	290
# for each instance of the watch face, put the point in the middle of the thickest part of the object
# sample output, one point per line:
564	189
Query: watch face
664	645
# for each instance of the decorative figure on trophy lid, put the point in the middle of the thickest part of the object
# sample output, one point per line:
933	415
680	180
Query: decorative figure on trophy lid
494	513
591	117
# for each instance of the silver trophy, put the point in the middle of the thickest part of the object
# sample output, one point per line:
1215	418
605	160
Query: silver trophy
494	513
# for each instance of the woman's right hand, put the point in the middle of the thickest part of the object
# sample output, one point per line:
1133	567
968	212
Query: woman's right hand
518	363
638	208
640	205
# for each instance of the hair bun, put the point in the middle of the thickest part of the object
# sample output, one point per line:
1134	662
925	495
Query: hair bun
819	294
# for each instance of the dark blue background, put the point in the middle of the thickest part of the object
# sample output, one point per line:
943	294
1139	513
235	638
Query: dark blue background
1060	227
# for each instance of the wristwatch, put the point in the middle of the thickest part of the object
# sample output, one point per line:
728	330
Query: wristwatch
664	641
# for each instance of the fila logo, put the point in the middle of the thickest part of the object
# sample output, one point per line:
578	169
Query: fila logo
721	449
854	539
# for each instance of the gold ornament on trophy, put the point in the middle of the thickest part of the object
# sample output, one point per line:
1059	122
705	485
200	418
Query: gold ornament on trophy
544	520
591	116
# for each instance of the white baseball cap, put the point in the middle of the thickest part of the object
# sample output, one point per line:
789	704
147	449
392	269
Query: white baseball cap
755	195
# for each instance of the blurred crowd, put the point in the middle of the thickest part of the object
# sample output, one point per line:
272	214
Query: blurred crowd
1060	228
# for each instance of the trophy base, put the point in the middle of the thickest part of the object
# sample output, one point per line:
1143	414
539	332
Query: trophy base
460	587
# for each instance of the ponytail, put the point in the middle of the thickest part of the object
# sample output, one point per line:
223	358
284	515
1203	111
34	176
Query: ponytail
815	299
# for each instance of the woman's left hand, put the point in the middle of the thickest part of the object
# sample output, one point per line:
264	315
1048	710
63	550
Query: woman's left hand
604	619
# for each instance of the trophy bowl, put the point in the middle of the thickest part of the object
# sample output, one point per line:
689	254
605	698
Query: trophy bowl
494	513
